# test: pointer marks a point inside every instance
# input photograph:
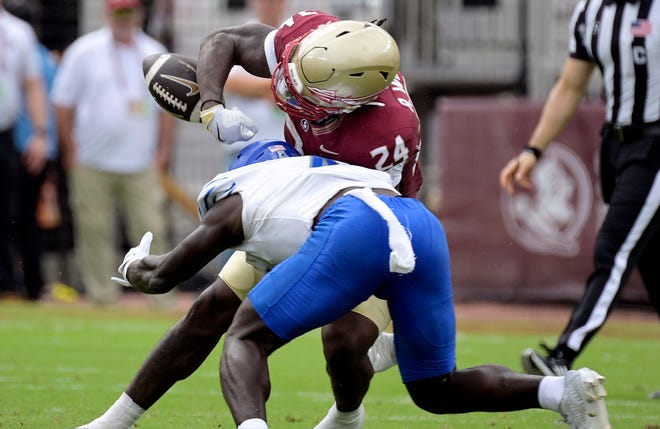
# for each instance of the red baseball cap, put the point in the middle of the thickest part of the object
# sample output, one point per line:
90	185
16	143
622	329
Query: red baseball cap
122	4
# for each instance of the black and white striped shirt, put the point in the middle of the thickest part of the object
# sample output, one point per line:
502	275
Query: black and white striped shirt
623	39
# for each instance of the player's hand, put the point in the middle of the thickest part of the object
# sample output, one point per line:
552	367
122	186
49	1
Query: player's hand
228	125
135	254
517	172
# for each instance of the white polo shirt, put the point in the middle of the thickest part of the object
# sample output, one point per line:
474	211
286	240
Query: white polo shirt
116	119
19	60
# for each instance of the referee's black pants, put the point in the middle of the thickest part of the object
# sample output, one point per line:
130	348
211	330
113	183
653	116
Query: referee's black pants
629	236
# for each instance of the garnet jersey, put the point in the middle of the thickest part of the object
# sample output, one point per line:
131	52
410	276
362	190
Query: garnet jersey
383	135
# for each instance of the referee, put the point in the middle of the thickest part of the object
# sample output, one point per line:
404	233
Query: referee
622	39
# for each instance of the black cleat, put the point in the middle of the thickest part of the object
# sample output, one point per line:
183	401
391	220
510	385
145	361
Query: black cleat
536	364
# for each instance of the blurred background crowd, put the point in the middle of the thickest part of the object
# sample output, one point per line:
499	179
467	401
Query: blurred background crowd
478	72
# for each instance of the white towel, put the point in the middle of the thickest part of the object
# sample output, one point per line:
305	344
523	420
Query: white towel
402	255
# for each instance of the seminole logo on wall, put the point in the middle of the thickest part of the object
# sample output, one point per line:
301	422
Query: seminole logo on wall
550	218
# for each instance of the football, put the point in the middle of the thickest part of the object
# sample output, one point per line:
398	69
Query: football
172	82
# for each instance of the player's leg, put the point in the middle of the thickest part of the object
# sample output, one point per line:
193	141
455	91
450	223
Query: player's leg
422	309
186	345
324	280
243	367
426	350
577	396
246	350
176	356
346	343
345	346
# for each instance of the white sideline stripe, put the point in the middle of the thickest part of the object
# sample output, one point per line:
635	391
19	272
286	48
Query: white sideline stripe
613	284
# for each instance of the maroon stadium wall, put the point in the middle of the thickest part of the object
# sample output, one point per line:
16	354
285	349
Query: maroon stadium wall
533	246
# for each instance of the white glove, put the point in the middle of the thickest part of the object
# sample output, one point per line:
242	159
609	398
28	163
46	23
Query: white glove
135	254
228	125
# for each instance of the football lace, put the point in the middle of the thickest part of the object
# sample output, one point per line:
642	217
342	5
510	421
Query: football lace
169	98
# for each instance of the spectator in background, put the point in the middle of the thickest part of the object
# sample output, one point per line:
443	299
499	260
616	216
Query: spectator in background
47	240
620	38
29	237
20	83
114	138
252	94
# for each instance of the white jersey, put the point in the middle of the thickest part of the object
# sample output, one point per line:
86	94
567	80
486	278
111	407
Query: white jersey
281	198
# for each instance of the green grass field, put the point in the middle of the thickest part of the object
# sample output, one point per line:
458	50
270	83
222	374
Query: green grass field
61	366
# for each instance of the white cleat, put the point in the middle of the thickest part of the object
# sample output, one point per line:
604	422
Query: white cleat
335	419
90	425
382	353
100	423
582	405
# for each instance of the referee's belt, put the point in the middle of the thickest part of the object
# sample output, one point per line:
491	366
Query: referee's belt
627	133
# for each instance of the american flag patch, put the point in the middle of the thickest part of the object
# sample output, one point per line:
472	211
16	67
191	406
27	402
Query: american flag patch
640	28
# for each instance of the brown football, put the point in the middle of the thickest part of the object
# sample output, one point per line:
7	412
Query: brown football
172	82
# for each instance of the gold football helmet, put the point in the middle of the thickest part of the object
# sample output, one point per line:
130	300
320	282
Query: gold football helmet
335	69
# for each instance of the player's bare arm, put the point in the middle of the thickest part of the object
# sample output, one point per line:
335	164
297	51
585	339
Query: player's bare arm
220	229
241	45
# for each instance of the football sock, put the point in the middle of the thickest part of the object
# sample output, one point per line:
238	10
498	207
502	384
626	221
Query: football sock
382	353
253	424
121	415
551	390
336	419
